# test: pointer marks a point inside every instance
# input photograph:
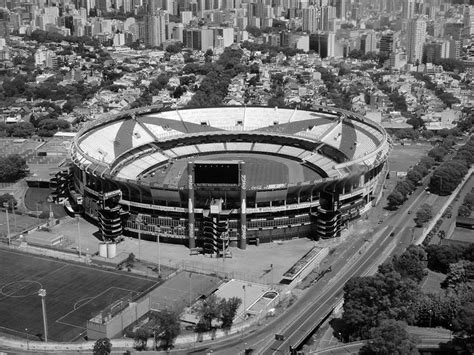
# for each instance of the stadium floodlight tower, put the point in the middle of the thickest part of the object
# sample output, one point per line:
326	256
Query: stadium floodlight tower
42	294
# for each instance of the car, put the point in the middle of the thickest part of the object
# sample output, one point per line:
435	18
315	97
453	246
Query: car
409	212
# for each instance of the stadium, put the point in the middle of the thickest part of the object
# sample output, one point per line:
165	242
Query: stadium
245	174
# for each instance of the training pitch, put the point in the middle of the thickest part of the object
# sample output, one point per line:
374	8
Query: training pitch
75	293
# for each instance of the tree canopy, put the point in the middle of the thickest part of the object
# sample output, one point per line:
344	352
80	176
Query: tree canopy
390	338
102	346
167	327
12	168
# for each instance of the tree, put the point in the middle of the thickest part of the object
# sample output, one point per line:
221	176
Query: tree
372	299
438	153
463	324
412	263
22	130
447	177
459	272
229	308
167	327
10	200
254	31
395	199
102	346
12	168
423	215
207	310
141	336
390	338
414	176
440	256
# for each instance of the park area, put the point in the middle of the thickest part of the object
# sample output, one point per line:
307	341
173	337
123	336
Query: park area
75	293
404	156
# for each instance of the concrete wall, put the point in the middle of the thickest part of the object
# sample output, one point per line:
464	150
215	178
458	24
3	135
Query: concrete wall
113	327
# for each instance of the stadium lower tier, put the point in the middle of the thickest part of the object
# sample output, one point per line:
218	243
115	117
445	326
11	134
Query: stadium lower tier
253	216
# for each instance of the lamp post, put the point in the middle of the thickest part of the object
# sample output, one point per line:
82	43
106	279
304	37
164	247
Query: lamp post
27	339
139	221
5	204
190	291
79	236
157	232
42	294
245	307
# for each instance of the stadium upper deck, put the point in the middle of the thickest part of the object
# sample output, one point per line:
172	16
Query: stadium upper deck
128	145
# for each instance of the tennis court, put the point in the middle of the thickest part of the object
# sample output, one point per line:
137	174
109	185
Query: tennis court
75	293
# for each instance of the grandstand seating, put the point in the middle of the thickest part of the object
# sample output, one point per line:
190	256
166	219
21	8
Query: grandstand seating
266	148
321	161
291	151
186	150
211	147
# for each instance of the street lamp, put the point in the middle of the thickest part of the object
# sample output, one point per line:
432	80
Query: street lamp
79	236
157	232
42	294
5	204
139	221
27	339
245	307
190	293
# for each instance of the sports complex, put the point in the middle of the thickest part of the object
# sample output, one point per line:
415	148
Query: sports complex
259	173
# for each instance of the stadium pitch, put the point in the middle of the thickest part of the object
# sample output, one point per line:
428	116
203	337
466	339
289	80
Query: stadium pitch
75	293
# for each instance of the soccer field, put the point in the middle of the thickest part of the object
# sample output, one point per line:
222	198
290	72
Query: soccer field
75	293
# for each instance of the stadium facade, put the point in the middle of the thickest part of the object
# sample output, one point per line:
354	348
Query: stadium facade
259	174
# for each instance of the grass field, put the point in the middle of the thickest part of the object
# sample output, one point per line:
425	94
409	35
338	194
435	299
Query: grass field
18	223
405	156
75	293
432	282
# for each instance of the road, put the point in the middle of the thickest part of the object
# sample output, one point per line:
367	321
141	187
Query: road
428	339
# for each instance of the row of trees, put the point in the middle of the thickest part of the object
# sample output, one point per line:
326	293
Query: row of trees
406	186
467	206
449	174
214	310
394	294
45	36
447	98
436	155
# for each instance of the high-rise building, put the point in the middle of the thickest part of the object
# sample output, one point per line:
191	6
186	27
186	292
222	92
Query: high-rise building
4	24
408	11
155	28
324	43
311	19
368	42
328	13
416	34
468	21
340	6
454	30
386	44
